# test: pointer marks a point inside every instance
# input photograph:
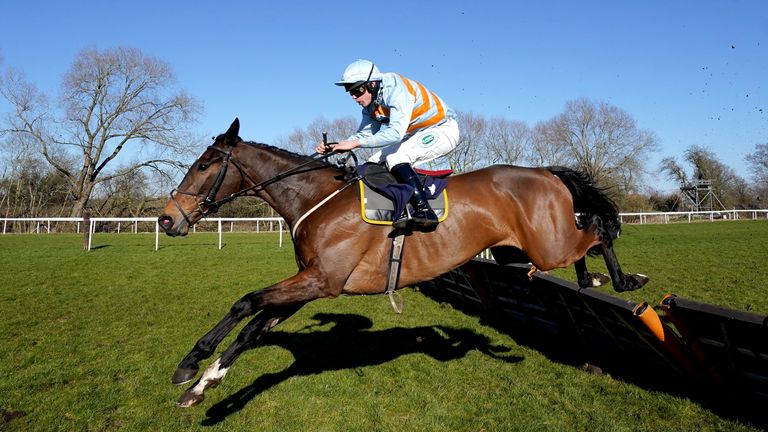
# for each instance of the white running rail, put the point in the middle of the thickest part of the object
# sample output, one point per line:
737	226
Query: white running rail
46	223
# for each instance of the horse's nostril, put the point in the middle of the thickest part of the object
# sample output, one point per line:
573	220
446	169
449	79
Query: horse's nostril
165	221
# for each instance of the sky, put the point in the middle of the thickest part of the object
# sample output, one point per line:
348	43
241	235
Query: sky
692	72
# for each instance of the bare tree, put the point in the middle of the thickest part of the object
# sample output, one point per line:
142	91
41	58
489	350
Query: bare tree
28	186
758	164
543	150
123	196
31	188
110	101
304	140
674	171
599	139
507	141
470	150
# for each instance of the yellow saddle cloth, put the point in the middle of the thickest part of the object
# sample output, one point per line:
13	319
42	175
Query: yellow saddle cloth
378	209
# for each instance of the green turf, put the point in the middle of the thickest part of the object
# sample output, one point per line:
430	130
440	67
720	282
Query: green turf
89	340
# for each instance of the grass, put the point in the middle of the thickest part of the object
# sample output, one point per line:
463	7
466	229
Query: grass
88	341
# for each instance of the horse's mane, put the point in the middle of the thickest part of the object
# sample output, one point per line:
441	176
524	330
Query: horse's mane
302	157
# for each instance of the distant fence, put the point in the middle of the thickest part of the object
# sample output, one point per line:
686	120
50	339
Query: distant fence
691	216
117	224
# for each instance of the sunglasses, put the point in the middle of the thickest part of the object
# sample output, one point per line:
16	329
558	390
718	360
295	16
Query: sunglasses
357	91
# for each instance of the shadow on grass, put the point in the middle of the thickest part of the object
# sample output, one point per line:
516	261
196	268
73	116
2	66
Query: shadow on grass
350	345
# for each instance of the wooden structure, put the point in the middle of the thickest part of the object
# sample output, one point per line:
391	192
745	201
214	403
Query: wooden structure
698	195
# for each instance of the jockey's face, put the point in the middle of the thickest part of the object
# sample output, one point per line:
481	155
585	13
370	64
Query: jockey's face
363	99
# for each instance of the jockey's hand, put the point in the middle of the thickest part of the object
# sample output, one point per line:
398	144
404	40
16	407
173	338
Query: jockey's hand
322	148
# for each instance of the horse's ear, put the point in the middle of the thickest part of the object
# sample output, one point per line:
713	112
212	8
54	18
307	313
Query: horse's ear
233	131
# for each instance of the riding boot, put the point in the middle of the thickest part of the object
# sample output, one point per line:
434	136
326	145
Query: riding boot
423	217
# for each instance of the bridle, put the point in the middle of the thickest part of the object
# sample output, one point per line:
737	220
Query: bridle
208	204
208	198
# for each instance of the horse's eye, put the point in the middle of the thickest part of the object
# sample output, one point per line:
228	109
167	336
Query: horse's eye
202	166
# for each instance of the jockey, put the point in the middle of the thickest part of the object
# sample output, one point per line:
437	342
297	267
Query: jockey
410	124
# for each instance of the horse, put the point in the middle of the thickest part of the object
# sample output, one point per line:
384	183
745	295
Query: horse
514	211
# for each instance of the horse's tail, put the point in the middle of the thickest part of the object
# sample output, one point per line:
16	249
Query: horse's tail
589	200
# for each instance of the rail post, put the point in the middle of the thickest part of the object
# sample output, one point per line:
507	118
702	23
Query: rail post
86	232
219	233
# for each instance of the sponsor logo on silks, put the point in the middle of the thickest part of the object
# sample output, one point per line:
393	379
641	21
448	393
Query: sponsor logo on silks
428	139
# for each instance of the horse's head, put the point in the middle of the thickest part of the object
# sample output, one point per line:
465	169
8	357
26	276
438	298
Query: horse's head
204	186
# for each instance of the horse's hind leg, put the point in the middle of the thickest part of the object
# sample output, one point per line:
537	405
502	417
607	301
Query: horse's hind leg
247	339
307	285
621	282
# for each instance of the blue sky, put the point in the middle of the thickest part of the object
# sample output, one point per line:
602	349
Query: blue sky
693	72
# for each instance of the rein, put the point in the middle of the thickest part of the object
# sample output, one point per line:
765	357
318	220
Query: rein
212	206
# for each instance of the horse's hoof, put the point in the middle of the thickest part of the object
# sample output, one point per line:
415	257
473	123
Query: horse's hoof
640	279
633	282
183	375
594	280
600	279
189	399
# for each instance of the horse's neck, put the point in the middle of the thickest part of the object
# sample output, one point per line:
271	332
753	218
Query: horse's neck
294	195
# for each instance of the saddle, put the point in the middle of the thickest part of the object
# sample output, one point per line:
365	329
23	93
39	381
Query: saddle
382	198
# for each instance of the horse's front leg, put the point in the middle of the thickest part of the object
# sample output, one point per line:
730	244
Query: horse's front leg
247	339
307	285
621	281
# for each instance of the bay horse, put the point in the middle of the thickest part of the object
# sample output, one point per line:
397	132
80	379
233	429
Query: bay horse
515	211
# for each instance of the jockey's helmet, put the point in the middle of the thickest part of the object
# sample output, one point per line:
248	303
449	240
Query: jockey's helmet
359	72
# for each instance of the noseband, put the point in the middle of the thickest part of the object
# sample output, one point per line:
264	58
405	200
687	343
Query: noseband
209	204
